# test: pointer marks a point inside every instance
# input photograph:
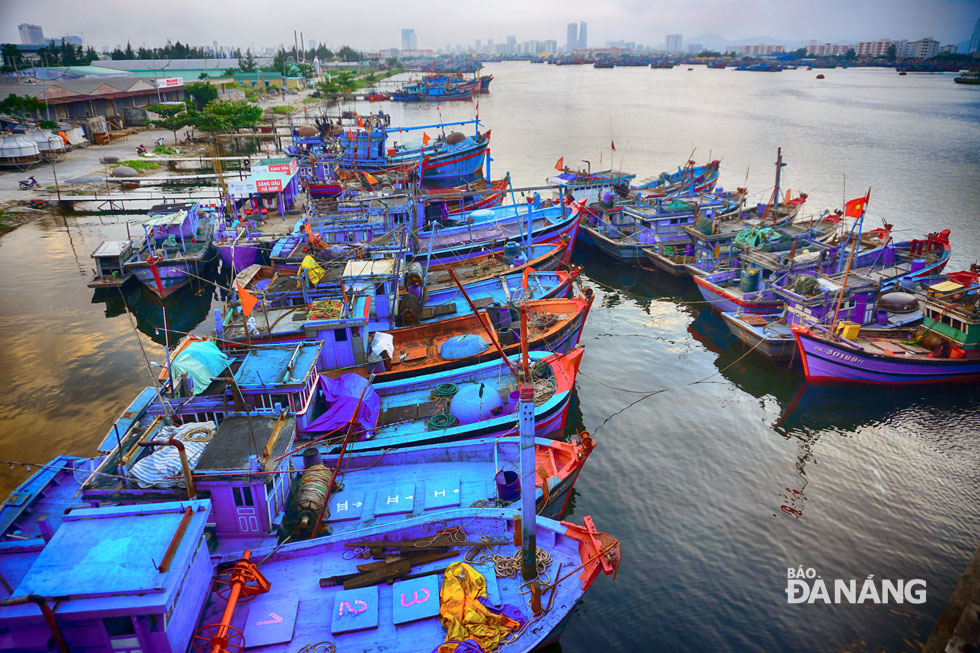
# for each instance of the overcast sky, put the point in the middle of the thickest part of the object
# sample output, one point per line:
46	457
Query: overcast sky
377	23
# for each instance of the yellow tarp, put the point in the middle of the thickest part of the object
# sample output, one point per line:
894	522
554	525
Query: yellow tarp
463	616
945	286
313	269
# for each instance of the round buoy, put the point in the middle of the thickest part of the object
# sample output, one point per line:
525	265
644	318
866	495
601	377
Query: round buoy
475	402
820	76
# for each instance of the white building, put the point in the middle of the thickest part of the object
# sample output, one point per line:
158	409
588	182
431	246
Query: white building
674	42
571	41
828	49
694	48
583	35
755	50
925	48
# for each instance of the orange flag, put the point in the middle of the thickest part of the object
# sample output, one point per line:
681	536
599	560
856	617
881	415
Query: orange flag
370	178
360	123
306	228
560	163
425	139
248	300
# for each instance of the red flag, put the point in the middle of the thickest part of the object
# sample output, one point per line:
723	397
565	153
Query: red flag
371	179
425	139
855	208
350	133
613	146
306	228
560	163
360	123
248	300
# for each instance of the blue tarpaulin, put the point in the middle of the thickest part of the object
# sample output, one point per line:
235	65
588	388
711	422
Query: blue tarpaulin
202	361
342	396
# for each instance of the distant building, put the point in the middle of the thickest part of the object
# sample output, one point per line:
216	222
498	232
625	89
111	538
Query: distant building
829	49
409	40
948	49
674	42
583	35
571	42
925	48
71	39
759	50
31	34
694	48
975	39
550	46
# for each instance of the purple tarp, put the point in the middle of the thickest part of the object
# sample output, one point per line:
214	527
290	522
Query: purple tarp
342	396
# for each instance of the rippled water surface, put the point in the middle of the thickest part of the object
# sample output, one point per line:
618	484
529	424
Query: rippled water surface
737	470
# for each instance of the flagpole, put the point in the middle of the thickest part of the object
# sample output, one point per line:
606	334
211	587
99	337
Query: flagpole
850	260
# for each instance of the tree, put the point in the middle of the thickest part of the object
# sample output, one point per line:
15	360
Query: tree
851	54
172	117
201	94
892	51
246	64
129	51
799	53
219	116
347	53
24	106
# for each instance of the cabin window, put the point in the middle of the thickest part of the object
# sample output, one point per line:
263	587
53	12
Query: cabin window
243	496
341	335
379	289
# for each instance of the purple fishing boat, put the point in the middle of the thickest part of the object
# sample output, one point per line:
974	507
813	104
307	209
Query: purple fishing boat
176	247
946	348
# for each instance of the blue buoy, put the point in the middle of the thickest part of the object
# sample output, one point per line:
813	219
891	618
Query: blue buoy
469	344
476	402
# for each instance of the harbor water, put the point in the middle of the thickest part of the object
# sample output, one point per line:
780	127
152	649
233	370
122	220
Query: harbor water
716	470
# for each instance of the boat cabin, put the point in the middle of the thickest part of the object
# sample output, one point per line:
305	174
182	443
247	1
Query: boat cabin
109	258
813	299
952	310
126	578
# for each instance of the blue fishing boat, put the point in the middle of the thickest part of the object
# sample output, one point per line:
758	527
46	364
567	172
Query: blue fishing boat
624	232
352	606
689	179
469	402
177	245
426	479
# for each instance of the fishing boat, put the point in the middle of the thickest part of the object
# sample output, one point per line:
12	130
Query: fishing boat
710	232
468	402
691	179
353	343
944	349
749	288
446	476
968	77
821	299
110	257
624	232
587	185
413	597
176	246
481	194
449	159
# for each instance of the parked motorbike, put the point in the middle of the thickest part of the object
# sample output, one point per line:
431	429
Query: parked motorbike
28	183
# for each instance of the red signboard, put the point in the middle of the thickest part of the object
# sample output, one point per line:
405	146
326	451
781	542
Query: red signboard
268	185
282	168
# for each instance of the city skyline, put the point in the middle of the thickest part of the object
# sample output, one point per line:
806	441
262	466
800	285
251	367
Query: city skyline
948	21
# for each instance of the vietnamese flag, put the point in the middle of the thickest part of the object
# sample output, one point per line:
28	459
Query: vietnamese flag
425	139
307	229
613	146
855	208
371	179
248	300
560	163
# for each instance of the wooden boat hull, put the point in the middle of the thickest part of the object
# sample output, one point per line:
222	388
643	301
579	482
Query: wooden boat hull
829	361
774	345
675	265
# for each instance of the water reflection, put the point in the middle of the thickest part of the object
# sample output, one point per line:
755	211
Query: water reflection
181	312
